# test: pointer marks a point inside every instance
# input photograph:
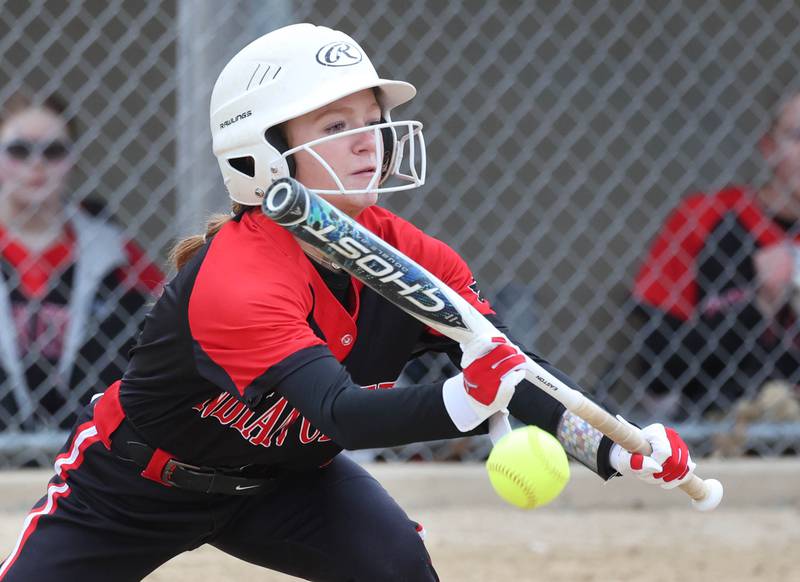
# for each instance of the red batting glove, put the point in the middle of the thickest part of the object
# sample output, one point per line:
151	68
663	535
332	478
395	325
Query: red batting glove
492	367
668	465
483	375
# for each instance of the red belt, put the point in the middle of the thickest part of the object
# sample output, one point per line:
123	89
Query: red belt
159	465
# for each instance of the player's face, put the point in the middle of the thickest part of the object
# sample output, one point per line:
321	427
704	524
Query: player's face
354	158
34	158
785	152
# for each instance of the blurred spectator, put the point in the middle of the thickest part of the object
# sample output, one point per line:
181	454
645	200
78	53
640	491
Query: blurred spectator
718	290
72	287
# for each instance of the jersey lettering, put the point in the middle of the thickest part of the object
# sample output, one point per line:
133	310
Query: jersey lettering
283	429
228	412
243	420
305	432
307	437
264	423
379	386
207	407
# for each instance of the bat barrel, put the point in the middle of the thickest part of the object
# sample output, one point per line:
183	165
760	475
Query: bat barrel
286	202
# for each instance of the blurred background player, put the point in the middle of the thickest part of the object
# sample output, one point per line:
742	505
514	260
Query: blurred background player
719	287
72	287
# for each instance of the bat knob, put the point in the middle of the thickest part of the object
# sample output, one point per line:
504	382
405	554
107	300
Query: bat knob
712	497
286	202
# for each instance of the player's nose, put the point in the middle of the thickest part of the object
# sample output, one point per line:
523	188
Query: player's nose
365	142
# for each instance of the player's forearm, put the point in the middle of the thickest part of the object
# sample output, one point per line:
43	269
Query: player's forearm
367	419
356	418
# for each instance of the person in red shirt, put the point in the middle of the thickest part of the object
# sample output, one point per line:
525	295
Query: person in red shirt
73	287
719	287
261	362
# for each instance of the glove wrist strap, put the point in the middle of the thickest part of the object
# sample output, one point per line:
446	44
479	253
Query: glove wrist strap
615	457
456	402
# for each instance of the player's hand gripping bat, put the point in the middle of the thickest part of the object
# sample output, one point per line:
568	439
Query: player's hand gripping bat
340	239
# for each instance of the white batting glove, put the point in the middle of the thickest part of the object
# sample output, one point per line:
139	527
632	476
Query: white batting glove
668	465
491	369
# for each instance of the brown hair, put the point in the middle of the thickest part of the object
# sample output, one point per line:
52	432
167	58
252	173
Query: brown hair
187	247
20	101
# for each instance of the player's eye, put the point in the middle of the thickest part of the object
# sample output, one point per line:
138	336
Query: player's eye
335	127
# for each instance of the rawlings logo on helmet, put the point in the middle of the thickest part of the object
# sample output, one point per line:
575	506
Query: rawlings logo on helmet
339	54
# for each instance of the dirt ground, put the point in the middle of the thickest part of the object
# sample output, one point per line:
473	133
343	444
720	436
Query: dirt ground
614	532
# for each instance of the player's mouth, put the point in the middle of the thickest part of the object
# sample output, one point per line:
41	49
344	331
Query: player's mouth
36	182
364	172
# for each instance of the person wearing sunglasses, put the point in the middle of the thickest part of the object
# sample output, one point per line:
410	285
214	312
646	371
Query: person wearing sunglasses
73	287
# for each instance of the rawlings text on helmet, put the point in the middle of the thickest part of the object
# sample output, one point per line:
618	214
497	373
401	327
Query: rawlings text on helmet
233	120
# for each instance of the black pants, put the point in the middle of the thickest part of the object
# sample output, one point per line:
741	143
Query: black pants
101	520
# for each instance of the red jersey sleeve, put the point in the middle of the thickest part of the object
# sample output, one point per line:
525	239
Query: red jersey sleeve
667	279
249	306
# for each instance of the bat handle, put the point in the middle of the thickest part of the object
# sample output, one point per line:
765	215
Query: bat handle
706	494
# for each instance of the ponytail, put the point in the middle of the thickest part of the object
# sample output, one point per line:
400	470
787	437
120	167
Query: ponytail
187	247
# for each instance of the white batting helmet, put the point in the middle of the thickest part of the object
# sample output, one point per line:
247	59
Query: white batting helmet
288	73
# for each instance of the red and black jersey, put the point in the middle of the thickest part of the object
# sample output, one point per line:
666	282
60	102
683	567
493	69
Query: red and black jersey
697	286
249	310
48	293
256	356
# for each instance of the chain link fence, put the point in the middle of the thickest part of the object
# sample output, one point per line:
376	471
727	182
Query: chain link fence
560	135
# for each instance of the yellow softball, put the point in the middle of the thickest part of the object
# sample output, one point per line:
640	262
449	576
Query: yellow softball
528	467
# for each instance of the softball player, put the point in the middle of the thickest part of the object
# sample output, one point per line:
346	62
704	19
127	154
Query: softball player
248	378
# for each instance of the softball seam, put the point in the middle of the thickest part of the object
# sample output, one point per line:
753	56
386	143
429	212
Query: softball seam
551	468
517	479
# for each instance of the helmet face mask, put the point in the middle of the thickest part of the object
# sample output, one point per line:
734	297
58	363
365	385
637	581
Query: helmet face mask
391	155
290	72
